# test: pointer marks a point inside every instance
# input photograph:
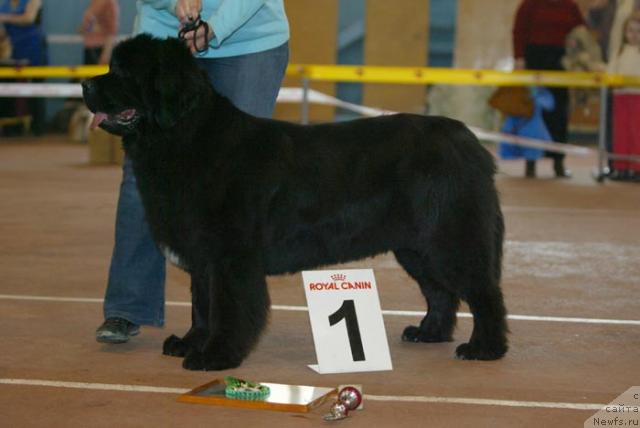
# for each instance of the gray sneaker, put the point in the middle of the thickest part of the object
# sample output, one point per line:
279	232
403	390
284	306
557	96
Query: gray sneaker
116	330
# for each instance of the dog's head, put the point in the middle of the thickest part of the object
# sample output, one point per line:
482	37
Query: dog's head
150	83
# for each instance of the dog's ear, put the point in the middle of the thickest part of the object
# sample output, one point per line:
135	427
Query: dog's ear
169	106
178	85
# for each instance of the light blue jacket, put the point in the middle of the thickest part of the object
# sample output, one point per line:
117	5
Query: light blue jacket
240	26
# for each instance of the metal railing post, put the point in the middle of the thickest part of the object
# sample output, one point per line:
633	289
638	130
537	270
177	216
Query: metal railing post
305	101
602	133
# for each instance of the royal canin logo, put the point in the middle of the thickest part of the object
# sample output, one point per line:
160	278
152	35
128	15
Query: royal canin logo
339	282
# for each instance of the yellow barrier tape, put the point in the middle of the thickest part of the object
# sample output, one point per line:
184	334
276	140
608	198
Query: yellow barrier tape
374	74
454	76
80	71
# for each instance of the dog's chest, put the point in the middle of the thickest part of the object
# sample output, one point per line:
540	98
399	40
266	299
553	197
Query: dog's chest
172	256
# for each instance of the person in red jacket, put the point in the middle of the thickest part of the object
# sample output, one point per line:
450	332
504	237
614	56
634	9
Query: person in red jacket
99	29
539	33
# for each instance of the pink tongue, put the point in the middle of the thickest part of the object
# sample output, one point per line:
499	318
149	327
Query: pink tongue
97	119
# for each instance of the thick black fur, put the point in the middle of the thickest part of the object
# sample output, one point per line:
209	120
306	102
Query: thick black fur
237	198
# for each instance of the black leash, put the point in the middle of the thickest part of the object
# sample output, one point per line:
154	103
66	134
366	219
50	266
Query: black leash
195	26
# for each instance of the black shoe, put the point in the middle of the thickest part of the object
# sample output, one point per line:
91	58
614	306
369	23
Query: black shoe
616	175
630	176
622	175
530	169
116	330
560	170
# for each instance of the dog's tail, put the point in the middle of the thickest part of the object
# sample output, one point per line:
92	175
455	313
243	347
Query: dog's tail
458	148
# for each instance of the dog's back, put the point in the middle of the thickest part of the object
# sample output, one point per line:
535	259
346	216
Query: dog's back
355	189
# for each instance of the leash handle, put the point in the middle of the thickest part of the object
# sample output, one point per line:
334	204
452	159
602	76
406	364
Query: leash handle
195	26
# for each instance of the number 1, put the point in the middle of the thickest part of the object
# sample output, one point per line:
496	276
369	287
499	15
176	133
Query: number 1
348	312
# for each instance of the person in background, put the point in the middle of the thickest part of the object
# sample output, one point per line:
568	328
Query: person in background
626	102
532	127
243	46
599	19
7	107
21	19
624	9
539	33
99	29
5	45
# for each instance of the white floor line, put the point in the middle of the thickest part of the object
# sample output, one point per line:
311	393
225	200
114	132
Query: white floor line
486	402
50	298
510	317
304	309
93	386
384	398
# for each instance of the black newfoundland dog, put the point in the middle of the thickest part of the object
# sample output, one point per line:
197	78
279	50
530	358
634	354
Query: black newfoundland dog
235	198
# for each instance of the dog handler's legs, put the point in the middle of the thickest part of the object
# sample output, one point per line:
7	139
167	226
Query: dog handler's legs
135	289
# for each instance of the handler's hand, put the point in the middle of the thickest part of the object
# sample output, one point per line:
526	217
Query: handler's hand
188	10
199	35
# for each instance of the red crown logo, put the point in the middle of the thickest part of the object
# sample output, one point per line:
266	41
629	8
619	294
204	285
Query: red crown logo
338	277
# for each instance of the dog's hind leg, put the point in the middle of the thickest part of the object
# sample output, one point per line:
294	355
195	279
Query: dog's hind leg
483	294
463	260
238	313
488	340
440	320
197	334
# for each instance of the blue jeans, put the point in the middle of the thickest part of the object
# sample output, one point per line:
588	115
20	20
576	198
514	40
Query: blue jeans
135	289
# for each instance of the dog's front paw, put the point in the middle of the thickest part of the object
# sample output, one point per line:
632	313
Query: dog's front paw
196	360
415	334
174	346
471	351
411	334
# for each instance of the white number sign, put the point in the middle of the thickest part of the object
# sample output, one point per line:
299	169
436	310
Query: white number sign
346	321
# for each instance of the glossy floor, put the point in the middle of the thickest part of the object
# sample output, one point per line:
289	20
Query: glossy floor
570	279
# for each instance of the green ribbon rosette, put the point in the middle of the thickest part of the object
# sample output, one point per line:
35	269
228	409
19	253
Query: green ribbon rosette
239	389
